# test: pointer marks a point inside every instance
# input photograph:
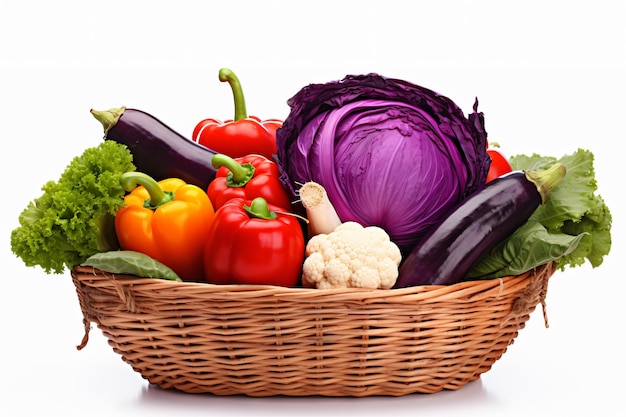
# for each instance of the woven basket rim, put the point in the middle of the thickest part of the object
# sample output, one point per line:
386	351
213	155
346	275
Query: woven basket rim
466	289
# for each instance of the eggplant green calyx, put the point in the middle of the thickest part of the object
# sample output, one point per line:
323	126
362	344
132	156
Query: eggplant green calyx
158	197
239	174
226	75
547	179
108	118
259	209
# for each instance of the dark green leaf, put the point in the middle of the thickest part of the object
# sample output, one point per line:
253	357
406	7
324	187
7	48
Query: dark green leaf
131	262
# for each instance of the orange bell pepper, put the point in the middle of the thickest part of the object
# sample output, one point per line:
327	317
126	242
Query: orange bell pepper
167	220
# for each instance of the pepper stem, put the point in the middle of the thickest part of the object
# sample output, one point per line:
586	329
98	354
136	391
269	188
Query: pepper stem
259	209
227	75
130	181
239	174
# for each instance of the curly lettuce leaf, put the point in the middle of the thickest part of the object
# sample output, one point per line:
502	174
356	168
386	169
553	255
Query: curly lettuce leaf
596	225
572	227
574	198
74	217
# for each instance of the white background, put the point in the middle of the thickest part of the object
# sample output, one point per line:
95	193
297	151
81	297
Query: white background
550	79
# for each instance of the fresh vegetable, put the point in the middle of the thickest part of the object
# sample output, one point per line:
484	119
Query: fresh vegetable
573	226
73	217
320	212
167	220
351	256
132	263
157	150
251	242
389	153
499	164
247	177
241	136
483	220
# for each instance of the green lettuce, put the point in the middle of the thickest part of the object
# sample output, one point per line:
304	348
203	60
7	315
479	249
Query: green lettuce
572	227
74	217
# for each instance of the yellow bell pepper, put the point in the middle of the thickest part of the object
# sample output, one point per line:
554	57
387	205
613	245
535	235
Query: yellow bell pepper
167	220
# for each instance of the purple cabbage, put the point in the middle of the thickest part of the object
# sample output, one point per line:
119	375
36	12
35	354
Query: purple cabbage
389	153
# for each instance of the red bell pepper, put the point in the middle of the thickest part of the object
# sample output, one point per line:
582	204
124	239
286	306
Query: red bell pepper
247	177
251	242
244	134
499	164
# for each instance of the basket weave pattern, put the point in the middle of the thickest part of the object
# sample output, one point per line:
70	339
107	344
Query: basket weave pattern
266	340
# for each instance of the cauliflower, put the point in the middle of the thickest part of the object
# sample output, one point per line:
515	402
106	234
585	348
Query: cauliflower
351	256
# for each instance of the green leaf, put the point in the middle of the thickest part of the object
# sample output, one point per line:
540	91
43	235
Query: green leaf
572	227
72	218
574	197
132	263
529	246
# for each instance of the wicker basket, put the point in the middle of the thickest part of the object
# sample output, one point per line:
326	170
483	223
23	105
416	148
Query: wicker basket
266	340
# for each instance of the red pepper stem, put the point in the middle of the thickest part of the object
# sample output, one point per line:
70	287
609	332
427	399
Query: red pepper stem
130	181
239	174
227	75
259	209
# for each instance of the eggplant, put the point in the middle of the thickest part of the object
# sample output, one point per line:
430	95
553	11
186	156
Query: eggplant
450	248
158	150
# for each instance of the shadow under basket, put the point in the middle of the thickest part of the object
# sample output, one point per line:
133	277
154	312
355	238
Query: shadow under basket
265	340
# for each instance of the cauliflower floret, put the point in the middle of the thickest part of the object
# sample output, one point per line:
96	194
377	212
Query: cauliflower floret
313	270
351	256
365	277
